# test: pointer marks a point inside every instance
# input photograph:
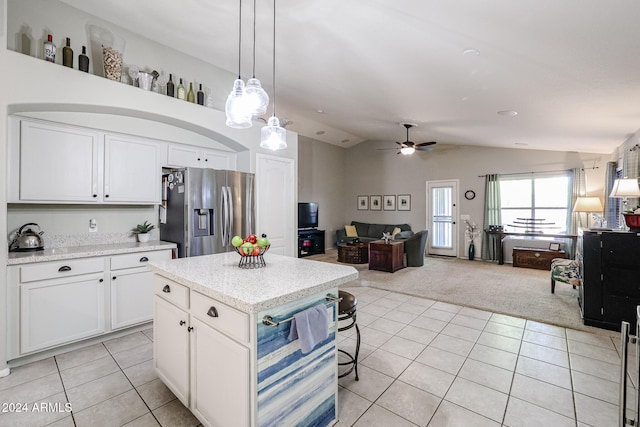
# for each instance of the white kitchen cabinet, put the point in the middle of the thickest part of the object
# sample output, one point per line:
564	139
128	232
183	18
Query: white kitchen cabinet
180	155
132	287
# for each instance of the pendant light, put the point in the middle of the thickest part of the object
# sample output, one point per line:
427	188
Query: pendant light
273	136
238	115
257	98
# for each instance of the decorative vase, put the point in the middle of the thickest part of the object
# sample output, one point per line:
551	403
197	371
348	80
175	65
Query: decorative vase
472	251
143	237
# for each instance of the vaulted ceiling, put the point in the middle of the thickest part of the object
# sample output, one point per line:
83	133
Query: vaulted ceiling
351	71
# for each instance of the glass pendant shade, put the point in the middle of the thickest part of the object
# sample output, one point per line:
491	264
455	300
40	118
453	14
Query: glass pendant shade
236	107
273	136
407	150
257	98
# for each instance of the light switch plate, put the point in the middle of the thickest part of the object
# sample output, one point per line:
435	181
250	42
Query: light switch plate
464	217
93	226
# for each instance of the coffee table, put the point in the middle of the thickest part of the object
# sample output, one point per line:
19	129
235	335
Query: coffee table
353	253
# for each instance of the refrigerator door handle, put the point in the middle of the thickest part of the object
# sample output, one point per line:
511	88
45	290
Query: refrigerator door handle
223	212
230	207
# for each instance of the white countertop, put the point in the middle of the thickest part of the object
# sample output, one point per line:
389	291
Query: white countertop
282	280
56	254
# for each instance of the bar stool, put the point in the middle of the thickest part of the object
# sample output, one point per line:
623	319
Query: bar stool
347	311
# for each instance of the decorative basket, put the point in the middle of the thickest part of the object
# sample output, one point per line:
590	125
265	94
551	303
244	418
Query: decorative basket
633	221
252	261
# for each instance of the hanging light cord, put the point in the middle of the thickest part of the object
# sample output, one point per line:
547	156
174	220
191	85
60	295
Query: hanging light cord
274	58
239	38
254	39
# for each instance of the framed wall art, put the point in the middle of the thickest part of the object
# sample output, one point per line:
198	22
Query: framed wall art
375	203
404	202
389	203
363	203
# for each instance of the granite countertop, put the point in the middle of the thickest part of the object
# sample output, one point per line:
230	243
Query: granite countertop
56	254
282	280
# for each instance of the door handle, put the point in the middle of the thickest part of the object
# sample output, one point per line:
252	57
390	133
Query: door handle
230	205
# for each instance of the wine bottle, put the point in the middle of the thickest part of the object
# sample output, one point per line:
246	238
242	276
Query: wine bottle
180	90
67	54
49	49
83	60
200	95
171	88
191	96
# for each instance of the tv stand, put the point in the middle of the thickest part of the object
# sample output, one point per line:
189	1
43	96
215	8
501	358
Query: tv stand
310	242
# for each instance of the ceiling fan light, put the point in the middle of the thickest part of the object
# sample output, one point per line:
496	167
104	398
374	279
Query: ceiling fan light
257	98
238	116
273	136
407	150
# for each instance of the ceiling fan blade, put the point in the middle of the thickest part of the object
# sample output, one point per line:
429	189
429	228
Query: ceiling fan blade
424	149
424	144
399	143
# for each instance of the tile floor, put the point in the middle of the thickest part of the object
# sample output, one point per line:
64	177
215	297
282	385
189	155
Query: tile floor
422	363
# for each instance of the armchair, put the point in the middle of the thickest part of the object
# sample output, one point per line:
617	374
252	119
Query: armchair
414	248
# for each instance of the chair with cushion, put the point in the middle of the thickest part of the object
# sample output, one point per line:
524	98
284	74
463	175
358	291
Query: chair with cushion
414	248
566	271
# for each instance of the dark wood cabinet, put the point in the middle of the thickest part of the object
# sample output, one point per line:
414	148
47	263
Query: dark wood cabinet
610	270
310	242
386	256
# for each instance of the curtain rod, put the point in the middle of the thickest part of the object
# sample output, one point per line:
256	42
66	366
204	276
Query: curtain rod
531	173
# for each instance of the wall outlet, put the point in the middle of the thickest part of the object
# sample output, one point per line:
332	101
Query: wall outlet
93	226
465	217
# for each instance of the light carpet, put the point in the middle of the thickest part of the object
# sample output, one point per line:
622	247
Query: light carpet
519	292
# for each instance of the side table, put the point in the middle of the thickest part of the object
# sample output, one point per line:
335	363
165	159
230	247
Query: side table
356	253
386	256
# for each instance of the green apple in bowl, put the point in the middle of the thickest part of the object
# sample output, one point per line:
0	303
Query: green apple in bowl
236	241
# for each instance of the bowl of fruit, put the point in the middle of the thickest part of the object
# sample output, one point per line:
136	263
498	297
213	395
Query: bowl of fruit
251	250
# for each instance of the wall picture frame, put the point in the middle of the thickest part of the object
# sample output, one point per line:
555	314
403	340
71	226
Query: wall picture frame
363	203
404	202
375	203
389	203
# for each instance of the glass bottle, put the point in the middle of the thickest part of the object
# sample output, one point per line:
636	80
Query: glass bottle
180	90
49	49
83	60
200	95
191	96
67	54
171	88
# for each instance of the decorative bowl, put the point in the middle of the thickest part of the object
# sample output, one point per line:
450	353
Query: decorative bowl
633	221
251	261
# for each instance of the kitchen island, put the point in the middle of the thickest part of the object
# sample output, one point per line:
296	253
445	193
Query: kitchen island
214	350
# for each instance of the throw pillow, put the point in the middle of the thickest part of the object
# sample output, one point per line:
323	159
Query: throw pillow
351	230
394	232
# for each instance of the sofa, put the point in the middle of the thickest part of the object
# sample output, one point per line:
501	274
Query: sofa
370	232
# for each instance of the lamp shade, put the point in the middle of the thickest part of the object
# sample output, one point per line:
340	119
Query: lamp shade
625	187
236	107
257	98
407	150
273	136
588	204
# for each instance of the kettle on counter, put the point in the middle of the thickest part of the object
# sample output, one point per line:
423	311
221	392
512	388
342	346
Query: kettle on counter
27	240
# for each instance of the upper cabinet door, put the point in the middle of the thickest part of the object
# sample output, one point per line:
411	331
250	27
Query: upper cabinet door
132	170
219	160
179	155
59	163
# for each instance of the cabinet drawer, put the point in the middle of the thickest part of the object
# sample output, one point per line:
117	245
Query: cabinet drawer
138	259
171	291
57	269
222	317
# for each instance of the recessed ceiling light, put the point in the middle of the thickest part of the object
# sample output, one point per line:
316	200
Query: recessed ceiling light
520	143
508	113
344	141
320	132
471	52
320	111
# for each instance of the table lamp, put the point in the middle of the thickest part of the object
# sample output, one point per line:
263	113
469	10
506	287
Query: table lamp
623	188
588	205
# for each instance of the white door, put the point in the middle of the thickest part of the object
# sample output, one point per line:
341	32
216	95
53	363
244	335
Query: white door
275	202
442	212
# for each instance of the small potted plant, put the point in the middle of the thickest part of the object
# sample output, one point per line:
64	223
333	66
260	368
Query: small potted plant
142	231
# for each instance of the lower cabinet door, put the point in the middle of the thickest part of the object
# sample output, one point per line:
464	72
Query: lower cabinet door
219	378
58	312
131	298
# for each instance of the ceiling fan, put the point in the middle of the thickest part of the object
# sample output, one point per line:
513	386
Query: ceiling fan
409	147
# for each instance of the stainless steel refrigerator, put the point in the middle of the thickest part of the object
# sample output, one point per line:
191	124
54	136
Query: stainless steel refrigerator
202	209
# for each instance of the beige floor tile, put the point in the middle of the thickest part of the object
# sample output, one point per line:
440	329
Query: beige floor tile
141	373
408	307
525	414
451	344
545	340
589	338
155	394
545	395
148	333
398	297
89	371
116	411
349	345
365	319
39	412
126	342
500	342
174	414
544	328
450	414
81	356
67	421
377	416
429	324
462	332
427	378
468	321
477	398
400	316
508	320
371	385
493	356
434	313
593	351
416	334
546	354
147	420
388	302
543	371
504	330
424	302
488	375
474	312
409	402
385	362
596	387
597	368
441	359
403	347
387	326
29	372
374	337
445	306
374	309
36	390
134	356
350	407
595	412
96	391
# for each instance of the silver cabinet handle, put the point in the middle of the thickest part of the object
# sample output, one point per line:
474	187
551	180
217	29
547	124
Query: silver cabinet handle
212	312
166	289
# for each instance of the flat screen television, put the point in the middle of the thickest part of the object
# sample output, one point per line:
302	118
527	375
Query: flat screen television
308	215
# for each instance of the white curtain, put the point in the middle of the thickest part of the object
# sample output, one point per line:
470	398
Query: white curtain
492	216
578	189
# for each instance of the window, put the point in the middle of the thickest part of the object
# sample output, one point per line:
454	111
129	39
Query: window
543	199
